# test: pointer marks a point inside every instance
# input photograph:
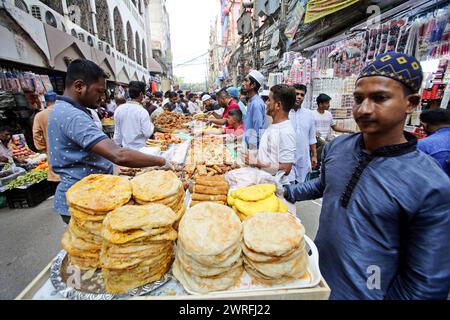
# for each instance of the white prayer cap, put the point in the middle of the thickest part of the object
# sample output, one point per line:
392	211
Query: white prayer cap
255	74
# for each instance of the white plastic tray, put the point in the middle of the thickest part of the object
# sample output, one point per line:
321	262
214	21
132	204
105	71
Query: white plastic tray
309	280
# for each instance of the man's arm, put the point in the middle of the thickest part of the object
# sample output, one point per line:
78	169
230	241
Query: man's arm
219	122
275	167
312	143
313	149
310	190
426	266
126	157
258	125
38	135
146	124
117	138
340	129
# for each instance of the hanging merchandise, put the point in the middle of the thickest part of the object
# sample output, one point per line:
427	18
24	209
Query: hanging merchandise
433	93
273	52
294	21
316	9
300	72
275	78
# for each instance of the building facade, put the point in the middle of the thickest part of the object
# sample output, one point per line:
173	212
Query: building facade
48	34
160	39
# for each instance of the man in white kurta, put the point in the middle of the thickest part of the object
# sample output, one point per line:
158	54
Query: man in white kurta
303	122
276	153
132	122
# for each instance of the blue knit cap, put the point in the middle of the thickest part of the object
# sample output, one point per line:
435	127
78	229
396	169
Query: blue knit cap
397	66
50	96
234	92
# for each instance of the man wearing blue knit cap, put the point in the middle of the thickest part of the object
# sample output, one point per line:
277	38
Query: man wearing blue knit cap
385	220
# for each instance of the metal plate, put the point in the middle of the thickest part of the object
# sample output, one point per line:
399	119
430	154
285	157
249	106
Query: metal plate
90	285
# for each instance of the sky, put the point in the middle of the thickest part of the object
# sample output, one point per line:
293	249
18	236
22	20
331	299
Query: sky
190	22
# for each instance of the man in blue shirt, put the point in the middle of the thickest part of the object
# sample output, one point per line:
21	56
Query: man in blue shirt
255	119
436	124
77	146
385	219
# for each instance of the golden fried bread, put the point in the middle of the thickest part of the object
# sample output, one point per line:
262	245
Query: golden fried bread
99	192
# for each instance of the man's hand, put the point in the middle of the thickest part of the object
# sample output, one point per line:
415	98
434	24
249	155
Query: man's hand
4	159
168	166
314	161
250	158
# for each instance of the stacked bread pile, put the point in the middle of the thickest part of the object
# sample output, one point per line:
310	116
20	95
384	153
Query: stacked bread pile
212	188
274	248
159	186
209	256
89	201
138	246
247	201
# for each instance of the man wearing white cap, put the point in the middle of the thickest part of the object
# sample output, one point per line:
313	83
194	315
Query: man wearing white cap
209	105
255	120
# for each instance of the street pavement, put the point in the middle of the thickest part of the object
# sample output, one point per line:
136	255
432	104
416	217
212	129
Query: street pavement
30	238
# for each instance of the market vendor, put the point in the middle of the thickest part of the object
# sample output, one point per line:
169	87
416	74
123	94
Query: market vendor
132	122
228	104
255	120
235	93
235	125
6	154
77	147
175	104
40	135
276	152
384	225
210	105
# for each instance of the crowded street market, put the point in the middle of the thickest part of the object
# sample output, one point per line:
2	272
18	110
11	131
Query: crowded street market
163	187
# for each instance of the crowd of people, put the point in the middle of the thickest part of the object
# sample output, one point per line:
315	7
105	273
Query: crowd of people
385	195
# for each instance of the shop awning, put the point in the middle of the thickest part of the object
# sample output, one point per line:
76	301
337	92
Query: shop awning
154	66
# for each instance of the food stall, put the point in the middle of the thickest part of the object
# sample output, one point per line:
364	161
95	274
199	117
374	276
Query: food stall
24	183
195	232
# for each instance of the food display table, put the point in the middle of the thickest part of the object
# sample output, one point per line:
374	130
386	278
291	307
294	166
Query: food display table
41	288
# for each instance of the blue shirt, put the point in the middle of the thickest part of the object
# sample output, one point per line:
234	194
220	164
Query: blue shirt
254	121
437	145
385	221
71	135
243	108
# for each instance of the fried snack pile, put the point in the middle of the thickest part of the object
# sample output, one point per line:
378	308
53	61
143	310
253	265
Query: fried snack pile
171	121
137	247
274	248
209	156
209	254
90	200
214	189
247	201
159	186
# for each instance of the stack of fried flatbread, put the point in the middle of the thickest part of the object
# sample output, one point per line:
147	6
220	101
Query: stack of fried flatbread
209	255
274	248
138	245
213	189
247	201
162	187
89	202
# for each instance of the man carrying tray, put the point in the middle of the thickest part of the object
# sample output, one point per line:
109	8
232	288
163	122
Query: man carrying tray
385	220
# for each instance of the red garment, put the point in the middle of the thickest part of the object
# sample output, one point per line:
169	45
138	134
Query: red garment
154	86
236	132
231	105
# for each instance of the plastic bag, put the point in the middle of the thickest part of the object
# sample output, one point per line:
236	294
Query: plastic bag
248	176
